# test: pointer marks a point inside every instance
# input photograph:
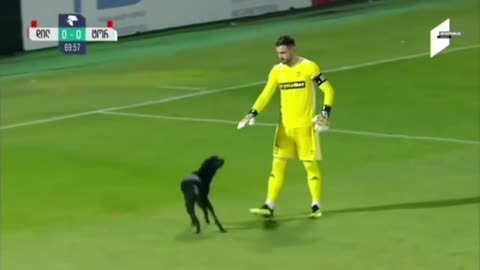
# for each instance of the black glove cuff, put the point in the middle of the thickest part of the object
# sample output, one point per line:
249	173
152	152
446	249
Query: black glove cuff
253	112
327	109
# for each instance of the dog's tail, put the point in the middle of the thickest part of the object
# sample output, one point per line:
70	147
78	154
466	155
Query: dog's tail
185	186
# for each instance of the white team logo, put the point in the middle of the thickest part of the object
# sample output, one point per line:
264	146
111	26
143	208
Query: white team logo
440	37
71	19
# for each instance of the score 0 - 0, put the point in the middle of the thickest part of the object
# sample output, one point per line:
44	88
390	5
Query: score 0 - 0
92	34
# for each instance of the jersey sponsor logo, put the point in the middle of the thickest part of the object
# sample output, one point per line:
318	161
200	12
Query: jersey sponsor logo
292	85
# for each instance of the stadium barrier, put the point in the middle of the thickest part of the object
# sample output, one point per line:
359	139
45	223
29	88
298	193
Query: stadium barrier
11	27
141	16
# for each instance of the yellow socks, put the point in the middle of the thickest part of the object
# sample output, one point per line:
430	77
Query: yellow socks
314	180
277	177
275	182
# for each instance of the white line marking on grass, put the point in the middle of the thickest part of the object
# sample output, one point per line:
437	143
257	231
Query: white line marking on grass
175	98
333	130
178	87
219	90
125	107
48	120
406	57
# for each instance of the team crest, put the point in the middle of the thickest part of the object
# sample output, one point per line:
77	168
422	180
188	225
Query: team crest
299	74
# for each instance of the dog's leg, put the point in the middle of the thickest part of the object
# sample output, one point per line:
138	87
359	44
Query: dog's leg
190	205
219	225
205	212
203	205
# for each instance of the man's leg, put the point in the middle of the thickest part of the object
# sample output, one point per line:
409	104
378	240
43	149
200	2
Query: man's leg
275	182
284	149
309	153
314	184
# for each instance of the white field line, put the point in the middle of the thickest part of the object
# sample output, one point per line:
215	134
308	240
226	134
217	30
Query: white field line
343	131
219	90
124	107
181	87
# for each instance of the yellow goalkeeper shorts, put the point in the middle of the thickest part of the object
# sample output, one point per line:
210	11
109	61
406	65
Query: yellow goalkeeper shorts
302	143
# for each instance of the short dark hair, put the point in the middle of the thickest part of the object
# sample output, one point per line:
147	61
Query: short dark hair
286	41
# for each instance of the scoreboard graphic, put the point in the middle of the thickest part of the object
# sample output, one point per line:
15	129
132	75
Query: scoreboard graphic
72	33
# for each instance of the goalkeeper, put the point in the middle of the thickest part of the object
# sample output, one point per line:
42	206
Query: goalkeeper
298	80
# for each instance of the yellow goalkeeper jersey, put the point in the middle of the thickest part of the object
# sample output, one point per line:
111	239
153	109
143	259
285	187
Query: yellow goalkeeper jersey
298	86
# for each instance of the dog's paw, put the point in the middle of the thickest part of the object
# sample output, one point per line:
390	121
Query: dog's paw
223	230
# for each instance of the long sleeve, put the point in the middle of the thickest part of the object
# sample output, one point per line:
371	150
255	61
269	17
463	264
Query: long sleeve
328	92
267	93
321	80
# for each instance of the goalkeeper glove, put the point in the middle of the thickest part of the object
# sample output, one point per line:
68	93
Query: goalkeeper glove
322	122
249	119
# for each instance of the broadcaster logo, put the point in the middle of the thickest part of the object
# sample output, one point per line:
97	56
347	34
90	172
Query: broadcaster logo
440	37
448	34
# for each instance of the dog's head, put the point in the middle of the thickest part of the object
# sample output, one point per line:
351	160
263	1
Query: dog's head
209	167
214	162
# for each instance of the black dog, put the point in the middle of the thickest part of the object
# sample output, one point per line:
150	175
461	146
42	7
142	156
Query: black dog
196	188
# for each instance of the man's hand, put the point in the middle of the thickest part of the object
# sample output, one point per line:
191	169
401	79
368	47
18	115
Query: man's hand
249	119
322	122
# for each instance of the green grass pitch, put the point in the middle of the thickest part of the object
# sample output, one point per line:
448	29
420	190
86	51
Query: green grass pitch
83	188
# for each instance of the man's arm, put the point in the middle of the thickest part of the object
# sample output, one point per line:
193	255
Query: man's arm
322	122
262	100
328	91
266	95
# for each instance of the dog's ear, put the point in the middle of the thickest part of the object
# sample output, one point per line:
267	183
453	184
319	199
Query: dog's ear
213	159
218	161
209	159
216	158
